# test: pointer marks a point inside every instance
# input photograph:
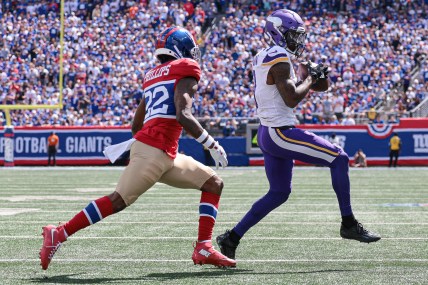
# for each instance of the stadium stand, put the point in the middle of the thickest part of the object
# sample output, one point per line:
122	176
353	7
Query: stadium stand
376	51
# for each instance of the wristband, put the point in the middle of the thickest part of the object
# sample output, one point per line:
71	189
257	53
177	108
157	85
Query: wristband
209	141
202	137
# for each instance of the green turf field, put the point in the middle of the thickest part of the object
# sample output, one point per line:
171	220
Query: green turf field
151	241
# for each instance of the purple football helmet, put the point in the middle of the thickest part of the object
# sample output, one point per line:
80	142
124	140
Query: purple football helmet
286	29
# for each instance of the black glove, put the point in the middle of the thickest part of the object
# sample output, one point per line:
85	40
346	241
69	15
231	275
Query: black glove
324	70
317	71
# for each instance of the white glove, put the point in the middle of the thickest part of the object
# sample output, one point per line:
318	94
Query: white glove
219	155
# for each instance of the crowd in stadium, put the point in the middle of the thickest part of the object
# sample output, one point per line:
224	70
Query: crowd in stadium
371	47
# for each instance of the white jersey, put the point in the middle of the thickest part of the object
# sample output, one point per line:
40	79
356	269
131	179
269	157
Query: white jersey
271	108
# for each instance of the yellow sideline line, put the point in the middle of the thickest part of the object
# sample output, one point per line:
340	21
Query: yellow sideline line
28	107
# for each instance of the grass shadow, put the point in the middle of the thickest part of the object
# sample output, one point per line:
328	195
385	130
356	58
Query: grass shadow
212	273
67	279
207	273
168	276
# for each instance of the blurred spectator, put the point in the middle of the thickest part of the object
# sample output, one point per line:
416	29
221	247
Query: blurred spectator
338	103
360	159
334	139
378	120
53	143
394	149
349	120
392	119
371	114
228	129
370	47
188	6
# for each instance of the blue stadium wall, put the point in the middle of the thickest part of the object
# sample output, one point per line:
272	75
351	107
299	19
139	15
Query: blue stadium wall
84	146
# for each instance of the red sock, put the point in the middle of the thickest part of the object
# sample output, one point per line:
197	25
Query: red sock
207	214
93	213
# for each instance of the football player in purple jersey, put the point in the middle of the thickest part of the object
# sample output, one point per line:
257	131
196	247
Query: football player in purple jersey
277	92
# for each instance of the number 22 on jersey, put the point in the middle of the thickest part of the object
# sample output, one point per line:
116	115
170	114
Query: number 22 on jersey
159	100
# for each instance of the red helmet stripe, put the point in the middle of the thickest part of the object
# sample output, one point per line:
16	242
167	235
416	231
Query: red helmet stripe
161	43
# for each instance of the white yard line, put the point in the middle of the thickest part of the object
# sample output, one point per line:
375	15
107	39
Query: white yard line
144	202
229	168
239	260
167	196
15	211
175	213
193	238
217	223
190	193
193	199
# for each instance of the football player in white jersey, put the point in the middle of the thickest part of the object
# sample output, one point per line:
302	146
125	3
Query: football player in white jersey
277	93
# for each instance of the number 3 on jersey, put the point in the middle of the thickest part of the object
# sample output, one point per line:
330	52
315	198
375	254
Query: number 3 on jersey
159	100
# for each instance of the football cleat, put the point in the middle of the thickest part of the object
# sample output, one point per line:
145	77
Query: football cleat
52	241
358	232
227	246
205	253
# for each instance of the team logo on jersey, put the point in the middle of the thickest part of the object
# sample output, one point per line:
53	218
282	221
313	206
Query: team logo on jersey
380	131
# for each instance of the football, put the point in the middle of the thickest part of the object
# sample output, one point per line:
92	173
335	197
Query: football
302	71
321	85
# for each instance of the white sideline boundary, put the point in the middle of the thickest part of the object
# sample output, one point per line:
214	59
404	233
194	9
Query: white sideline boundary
193	238
238	260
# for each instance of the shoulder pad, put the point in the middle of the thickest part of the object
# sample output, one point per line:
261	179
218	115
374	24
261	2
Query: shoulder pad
274	55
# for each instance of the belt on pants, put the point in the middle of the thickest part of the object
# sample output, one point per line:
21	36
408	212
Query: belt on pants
285	127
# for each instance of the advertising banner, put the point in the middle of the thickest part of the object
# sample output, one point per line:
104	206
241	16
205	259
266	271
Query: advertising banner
77	146
84	145
372	139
